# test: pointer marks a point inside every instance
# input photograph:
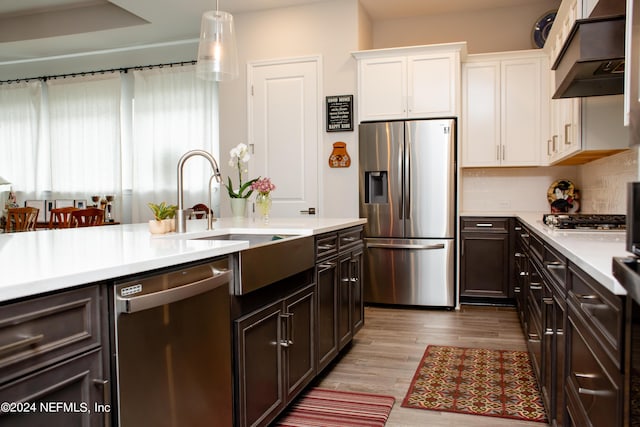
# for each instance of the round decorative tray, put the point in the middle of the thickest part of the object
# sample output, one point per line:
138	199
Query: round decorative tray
542	27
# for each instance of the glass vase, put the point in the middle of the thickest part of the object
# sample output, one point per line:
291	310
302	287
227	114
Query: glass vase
238	207
263	204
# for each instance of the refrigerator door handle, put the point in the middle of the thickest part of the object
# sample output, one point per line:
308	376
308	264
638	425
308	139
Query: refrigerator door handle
407	177
404	246
401	180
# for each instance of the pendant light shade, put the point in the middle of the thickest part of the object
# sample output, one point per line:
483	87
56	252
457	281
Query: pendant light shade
217	54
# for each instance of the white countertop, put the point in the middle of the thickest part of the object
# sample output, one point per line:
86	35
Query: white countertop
49	260
592	251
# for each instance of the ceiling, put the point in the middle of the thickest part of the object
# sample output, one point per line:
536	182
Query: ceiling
33	30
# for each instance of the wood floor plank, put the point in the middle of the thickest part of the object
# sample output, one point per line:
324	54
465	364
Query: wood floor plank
386	352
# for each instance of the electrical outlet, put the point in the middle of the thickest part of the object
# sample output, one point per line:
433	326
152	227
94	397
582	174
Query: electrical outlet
504	204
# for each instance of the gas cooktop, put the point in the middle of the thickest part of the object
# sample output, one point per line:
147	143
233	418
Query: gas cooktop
587	222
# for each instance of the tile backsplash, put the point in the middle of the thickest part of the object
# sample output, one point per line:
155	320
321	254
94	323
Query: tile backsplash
602	185
603	182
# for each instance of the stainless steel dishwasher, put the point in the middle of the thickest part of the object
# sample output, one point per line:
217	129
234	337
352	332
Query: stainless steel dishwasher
173	348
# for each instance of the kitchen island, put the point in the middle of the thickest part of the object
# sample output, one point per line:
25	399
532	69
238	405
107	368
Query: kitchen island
62	296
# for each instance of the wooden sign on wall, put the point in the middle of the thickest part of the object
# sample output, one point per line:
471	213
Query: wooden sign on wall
339	113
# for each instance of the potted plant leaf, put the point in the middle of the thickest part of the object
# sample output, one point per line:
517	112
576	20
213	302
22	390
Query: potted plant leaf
163	214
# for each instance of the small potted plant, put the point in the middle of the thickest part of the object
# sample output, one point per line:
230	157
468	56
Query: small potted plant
163	214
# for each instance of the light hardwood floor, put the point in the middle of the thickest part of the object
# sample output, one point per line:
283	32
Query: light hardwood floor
386	352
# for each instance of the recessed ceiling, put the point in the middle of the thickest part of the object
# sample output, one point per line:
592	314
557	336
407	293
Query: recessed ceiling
33	30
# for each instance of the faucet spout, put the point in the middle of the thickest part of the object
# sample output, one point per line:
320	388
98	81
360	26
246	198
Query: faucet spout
181	213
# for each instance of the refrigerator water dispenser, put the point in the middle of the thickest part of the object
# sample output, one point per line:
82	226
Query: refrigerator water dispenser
376	190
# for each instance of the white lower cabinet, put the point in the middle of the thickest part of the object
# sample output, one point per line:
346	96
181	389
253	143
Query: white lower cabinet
505	105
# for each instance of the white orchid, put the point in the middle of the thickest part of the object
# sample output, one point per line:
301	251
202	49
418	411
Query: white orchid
239	158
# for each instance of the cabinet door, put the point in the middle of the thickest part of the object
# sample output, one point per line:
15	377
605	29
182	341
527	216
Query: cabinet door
345	323
259	340
77	381
299	337
432	88
357	299
521	113
382	88
485	260
327	282
481	113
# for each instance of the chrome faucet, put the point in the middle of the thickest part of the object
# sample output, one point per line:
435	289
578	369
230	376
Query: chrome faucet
181	213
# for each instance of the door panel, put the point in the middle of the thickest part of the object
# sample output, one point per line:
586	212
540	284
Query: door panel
284	127
396	274
381	147
430	179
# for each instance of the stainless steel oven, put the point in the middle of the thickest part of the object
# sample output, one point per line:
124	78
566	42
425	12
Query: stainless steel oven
172	337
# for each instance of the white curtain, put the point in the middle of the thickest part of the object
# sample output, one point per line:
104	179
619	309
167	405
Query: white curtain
20	122
84	130
173	112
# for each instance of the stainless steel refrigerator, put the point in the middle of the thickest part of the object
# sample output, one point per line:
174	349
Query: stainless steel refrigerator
407	193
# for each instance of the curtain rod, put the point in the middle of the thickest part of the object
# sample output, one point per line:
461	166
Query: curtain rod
91	73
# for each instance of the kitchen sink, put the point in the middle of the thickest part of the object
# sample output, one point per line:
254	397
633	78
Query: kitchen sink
253	239
269	258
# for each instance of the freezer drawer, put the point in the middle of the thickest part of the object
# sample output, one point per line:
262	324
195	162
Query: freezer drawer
410	272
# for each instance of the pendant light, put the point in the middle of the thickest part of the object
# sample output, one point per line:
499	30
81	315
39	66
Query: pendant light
217	54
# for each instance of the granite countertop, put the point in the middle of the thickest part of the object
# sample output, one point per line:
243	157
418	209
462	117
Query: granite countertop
592	251
32	263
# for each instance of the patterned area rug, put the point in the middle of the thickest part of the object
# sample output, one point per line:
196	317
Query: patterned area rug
494	383
331	408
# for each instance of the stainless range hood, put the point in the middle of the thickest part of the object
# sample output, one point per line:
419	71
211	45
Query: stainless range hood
591	62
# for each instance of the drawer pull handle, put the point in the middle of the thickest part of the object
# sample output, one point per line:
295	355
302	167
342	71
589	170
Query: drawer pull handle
327	265
534	337
516	290
535	286
548	331
519	255
547	300
587	296
518	228
592	392
23	342
326	247
349	239
524	236
524	273
484	224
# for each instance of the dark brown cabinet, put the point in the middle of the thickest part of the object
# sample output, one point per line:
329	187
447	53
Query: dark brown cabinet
340	291
594	383
484	258
275	356
52	354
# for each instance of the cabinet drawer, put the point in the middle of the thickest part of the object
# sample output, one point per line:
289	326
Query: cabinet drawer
350	238
326	245
44	330
600	309
555	267
485	224
536	247
593	388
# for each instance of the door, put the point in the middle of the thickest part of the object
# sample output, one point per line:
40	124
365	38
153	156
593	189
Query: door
411	272
284	128
429	179
381	152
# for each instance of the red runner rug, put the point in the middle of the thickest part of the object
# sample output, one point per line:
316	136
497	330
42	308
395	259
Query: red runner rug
331	408
496	383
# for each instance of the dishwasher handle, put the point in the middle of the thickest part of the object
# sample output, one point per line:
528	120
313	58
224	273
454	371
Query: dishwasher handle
405	246
168	296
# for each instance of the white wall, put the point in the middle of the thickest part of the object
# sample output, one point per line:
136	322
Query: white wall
328	29
492	30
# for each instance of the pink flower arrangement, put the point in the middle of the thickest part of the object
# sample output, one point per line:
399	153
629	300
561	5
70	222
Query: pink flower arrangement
263	186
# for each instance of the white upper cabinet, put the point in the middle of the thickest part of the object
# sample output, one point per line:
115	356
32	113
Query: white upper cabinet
413	82
505	104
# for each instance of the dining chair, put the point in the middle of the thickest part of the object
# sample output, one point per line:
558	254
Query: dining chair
21	219
61	217
87	217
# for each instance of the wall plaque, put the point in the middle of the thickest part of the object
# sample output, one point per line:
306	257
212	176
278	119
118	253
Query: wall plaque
339	113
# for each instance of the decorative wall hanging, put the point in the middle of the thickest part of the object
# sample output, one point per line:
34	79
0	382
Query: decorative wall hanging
339	157
339	113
